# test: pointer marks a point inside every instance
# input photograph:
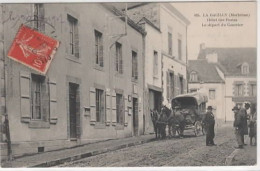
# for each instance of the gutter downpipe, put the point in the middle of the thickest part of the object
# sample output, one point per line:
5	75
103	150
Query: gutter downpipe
6	121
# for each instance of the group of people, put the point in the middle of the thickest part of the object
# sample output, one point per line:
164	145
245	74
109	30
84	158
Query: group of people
241	124
242	120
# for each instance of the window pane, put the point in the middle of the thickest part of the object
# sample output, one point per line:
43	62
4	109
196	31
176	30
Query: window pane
169	43
155	63
36	95
100	108
179	49
119	108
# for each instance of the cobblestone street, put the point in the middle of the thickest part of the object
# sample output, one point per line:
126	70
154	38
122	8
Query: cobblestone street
189	151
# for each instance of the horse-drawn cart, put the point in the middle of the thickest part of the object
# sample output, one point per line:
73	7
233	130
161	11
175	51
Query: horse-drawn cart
192	107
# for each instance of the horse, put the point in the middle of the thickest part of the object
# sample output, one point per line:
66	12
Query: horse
176	123
159	122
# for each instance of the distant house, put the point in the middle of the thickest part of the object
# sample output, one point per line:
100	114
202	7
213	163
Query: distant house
204	77
235	66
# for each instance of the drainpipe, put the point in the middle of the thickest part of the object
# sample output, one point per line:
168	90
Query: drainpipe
6	121
187	87
144	89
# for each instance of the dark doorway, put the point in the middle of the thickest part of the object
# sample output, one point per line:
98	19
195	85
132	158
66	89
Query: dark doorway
74	110
155	100
135	116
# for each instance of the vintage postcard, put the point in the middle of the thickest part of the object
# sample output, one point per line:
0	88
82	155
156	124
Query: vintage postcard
128	84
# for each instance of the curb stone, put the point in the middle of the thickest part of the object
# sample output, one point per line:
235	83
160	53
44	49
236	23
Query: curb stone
230	158
88	154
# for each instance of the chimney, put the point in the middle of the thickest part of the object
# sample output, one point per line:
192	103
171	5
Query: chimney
212	57
202	46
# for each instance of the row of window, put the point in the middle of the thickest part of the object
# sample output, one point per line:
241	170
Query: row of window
170	46
74	42
239	89
101	106
173	81
244	71
38	91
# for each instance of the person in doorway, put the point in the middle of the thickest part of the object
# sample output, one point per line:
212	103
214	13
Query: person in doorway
209	122
238	125
244	117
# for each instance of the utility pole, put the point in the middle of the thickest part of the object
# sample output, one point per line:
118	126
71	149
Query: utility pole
3	94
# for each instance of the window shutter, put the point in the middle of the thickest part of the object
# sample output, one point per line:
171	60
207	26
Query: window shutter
117	60
176	89
122	110
45	100
78	132
25	79
172	86
184	86
76	36
126	111
101	55
168	84
136	68
113	108
108	108
53	101
103	109
120	61
92	104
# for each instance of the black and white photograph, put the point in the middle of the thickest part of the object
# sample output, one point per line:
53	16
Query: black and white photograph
128	84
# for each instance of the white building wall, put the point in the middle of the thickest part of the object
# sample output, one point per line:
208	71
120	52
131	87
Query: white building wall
217	103
169	21
229	89
153	43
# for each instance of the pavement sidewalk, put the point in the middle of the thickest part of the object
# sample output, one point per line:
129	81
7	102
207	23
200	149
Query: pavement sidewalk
245	157
52	158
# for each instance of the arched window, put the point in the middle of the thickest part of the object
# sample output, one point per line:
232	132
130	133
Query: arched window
193	76
245	68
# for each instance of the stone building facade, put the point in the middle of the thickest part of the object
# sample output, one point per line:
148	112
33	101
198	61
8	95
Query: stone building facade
165	54
93	89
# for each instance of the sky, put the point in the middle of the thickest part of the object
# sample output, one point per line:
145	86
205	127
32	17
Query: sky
244	35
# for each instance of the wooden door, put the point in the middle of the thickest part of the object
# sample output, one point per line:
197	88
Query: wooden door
73	88
135	116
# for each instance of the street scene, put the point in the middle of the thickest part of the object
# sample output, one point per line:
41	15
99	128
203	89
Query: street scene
128	84
189	151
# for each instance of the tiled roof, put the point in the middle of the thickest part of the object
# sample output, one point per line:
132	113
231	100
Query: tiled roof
206	72
230	59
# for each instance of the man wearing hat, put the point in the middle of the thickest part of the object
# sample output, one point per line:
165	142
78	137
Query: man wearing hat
244	118
238	127
209	122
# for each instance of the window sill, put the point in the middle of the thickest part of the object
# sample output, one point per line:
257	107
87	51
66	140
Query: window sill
98	67
134	80
39	124
73	58
155	76
119	126
99	125
119	75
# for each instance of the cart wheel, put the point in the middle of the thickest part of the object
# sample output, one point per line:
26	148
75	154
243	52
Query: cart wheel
198	128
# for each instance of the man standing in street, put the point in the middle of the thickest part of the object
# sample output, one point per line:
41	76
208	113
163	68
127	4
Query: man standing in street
244	118
238	125
209	122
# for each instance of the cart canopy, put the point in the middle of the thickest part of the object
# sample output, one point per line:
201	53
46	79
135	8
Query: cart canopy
190	99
